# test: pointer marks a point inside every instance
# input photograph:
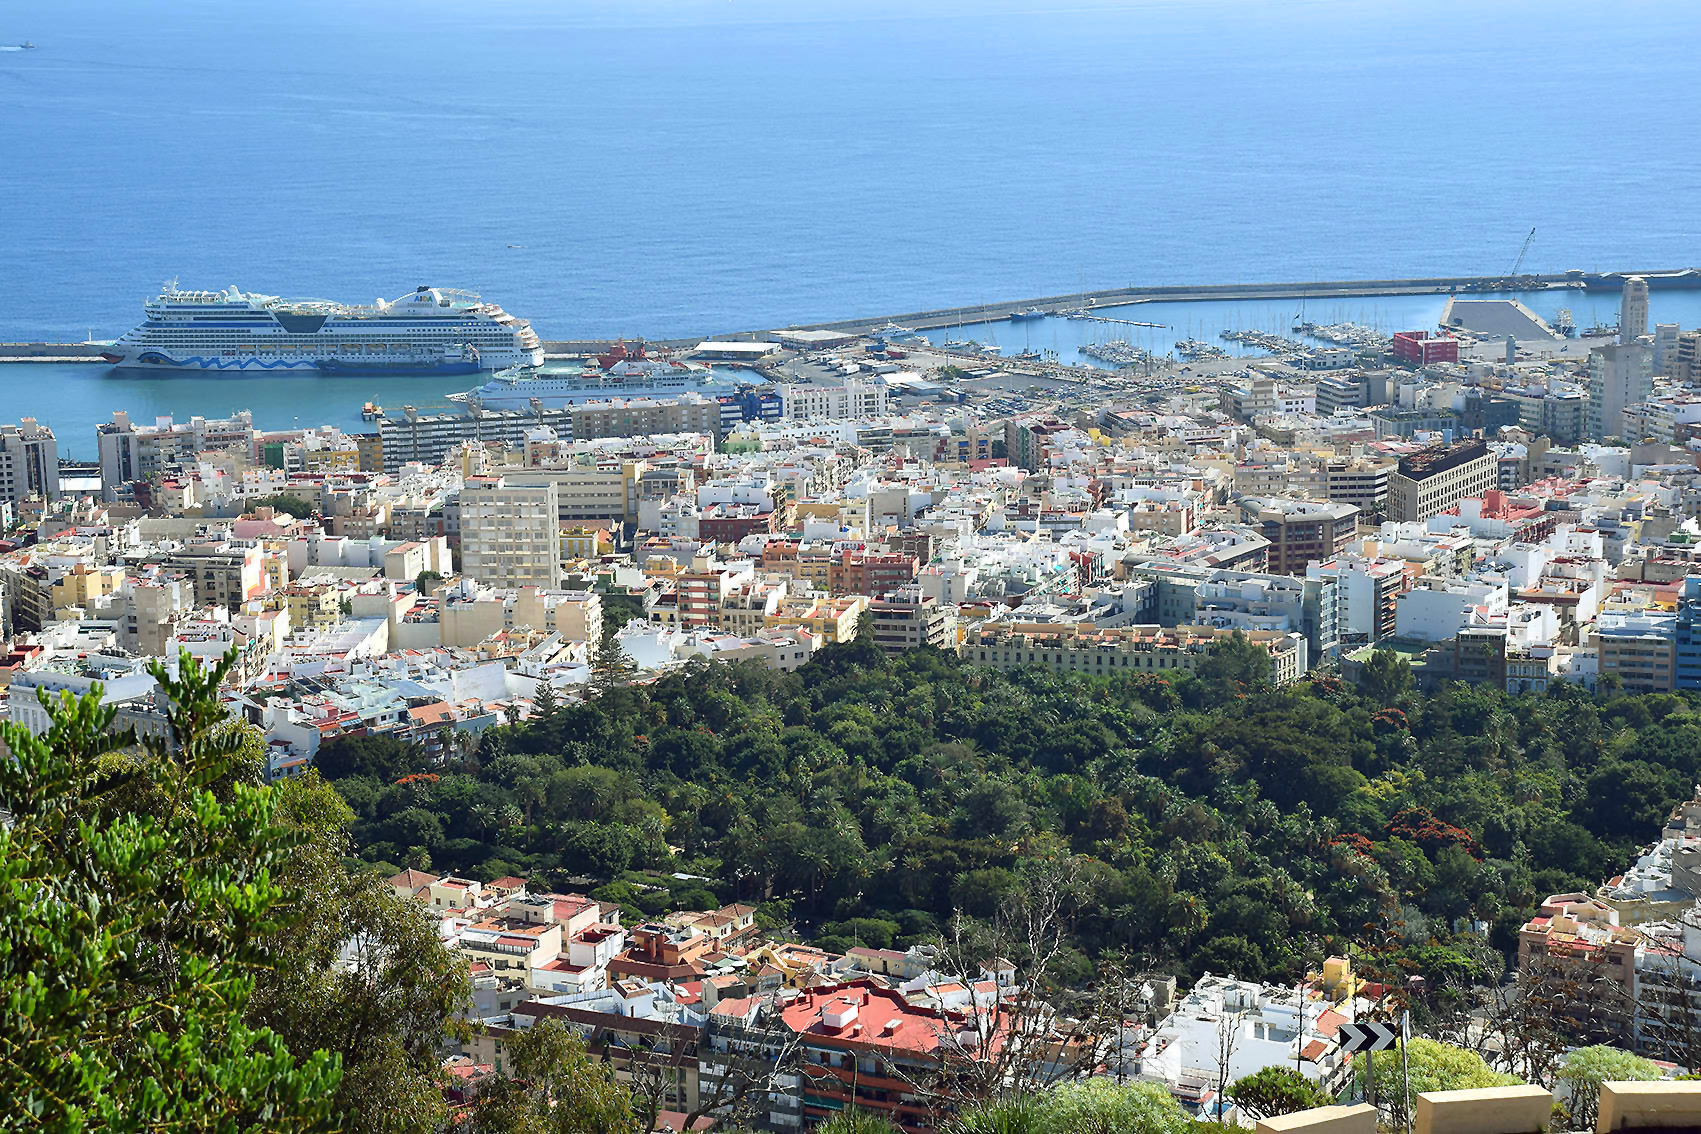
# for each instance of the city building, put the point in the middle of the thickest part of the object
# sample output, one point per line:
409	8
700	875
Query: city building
510	533
1361	482
866	1045
1633	310
906	619
1685	367
29	462
1073	648
1620	376
1367	593
1436	479
1301	532
129	452
1639	649
1425	348
1257	1026
1686	637
1665	346
856	397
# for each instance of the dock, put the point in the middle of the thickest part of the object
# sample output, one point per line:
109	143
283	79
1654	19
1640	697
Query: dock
1061	305
1124	322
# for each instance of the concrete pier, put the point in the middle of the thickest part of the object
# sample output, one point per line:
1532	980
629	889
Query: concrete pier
1057	304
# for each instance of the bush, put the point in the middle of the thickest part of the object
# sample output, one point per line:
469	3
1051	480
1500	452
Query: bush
1080	1108
1587	1068
1276	1090
857	1122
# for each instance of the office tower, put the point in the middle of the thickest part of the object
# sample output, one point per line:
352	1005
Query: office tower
1633	310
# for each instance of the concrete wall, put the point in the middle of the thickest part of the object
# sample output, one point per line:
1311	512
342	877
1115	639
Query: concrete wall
1634	1106
1357	1119
1492	1110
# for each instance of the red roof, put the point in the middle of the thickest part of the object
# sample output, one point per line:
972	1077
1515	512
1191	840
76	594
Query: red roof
883	1018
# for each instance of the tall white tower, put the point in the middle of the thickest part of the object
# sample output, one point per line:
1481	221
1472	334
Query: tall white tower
1633	310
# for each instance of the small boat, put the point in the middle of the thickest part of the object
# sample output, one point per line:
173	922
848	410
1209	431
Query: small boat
1026	313
1030	355
961	344
27	46
516	245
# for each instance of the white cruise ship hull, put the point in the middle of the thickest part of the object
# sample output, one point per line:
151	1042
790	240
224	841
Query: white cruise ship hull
559	393
430	332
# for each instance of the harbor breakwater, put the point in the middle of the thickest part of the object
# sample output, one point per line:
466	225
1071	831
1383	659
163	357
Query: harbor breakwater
1056	304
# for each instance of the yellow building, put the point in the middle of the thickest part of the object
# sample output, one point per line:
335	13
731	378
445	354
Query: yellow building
369	448
834	619
83	584
313	606
585	542
329	460
815	565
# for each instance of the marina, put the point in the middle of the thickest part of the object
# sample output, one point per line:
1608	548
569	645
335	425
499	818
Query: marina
74	396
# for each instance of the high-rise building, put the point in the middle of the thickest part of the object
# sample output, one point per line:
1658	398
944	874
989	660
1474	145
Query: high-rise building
29	462
1434	480
1301	532
1665	346
511	534
1687	639
1686	367
1633	310
130	452
1620	375
1359	481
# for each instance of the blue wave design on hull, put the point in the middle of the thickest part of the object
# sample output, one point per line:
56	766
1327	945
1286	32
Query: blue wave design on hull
154	360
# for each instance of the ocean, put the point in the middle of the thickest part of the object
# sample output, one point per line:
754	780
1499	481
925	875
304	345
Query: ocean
699	166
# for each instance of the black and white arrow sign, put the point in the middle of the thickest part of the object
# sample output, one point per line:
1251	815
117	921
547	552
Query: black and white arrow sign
1368	1036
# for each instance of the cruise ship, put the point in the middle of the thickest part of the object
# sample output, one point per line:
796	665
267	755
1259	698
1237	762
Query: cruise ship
431	331
636	377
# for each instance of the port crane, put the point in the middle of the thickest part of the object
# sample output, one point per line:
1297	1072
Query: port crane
1522	252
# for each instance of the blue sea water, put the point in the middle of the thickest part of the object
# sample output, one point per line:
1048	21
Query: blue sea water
695	166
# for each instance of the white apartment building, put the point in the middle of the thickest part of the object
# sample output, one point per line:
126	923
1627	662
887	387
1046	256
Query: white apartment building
29	462
1436	479
511	534
857	397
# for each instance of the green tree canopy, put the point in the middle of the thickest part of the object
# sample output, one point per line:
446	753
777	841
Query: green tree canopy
1585	1069
1434	1067
287	503
132	937
1276	1090
359	972
552	1087
1086	1107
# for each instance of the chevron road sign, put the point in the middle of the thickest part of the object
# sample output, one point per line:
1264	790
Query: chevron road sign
1368	1036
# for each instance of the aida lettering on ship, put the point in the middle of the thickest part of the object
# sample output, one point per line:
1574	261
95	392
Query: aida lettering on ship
431	331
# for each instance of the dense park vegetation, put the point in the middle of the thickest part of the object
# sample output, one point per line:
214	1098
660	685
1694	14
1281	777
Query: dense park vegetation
171	925
1218	823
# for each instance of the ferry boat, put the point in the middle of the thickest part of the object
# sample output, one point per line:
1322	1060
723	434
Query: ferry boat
633	377
431	331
